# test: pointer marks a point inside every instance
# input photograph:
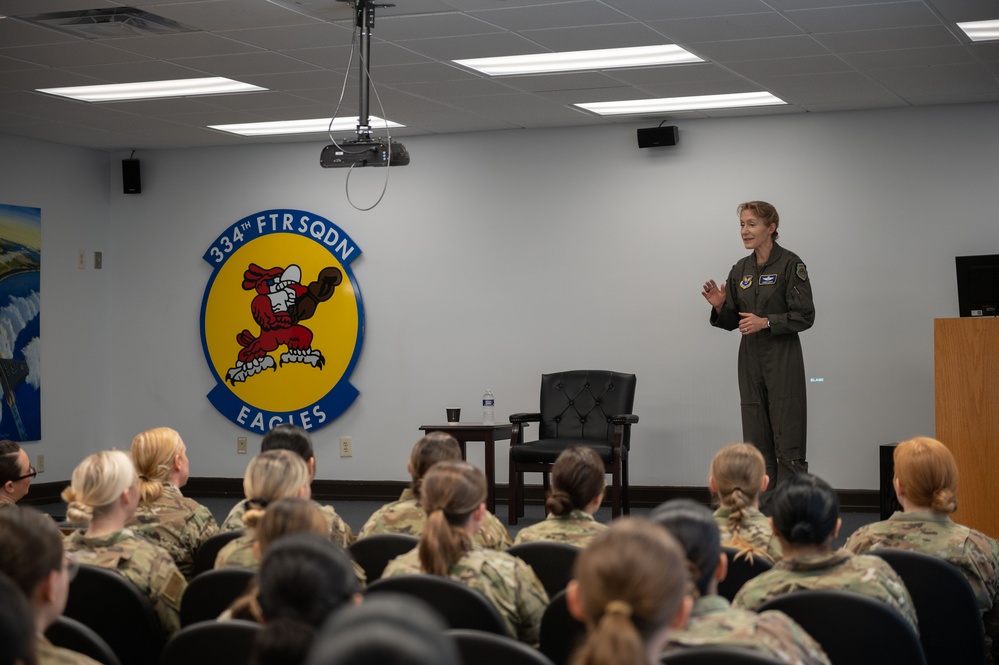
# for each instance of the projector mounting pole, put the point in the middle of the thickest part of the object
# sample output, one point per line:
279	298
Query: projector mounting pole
364	19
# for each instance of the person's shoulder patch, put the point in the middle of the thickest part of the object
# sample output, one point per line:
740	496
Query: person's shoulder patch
802	272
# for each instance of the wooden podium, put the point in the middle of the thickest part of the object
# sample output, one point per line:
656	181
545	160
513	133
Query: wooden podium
966	370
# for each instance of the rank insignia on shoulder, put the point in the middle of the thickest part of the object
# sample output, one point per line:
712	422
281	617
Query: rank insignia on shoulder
801	272
747	281
768	279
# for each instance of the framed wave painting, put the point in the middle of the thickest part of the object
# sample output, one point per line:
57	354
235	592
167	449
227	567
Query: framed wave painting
20	309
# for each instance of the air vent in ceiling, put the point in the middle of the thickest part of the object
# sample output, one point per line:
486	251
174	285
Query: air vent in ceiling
107	23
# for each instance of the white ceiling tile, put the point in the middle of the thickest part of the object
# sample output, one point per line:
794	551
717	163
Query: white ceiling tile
719	28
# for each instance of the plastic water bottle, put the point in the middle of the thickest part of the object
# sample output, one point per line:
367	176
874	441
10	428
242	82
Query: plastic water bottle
488	408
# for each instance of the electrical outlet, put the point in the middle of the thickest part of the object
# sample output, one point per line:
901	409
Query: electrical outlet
40	464
98	260
81	260
346	446
241	445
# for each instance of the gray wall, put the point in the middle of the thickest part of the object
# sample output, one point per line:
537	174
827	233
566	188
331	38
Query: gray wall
495	257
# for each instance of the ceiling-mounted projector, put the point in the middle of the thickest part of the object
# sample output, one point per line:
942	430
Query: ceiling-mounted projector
363	152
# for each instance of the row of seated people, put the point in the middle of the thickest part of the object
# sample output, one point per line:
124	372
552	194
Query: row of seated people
804	529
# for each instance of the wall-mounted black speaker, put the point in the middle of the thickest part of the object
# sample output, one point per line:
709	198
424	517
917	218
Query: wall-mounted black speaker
130	180
652	137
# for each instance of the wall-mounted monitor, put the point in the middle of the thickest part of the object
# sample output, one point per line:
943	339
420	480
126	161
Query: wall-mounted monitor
978	285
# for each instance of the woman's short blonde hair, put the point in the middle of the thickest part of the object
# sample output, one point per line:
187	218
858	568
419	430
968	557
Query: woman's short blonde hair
97	483
153	453
272	475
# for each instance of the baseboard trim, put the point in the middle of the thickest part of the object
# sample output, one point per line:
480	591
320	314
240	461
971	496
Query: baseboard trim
642	496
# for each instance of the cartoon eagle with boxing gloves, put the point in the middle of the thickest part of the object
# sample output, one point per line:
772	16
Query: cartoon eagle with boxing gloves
281	304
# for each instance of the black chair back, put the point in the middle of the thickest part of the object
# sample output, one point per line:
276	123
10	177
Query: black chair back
212	643
73	635
478	648
552	562
115	609
950	624
560	633
212	592
459	605
852	629
578	404
740	570
204	558
711	655
373	553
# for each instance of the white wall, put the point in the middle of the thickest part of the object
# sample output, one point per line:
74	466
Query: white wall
495	257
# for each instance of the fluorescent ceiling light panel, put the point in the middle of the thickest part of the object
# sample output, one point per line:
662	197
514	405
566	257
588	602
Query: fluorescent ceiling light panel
698	103
119	92
300	126
614	58
981	31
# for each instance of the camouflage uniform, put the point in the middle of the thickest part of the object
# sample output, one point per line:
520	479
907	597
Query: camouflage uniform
340	531
145	565
509	583
716	623
177	524
406	516
238	553
577	528
49	654
754	529
835	571
973	553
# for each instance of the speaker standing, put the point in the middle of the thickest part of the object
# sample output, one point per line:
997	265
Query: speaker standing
768	298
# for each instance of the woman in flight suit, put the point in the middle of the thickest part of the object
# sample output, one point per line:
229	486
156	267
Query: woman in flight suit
768	298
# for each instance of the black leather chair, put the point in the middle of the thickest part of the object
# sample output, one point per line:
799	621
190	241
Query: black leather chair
204	558
950	624
372	553
211	643
560	633
73	635
552	562
852	629
478	648
717	656
212	592
460	606
115	609
740	570
578	408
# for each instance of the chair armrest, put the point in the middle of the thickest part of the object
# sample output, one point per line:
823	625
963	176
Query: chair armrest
623	419
525	417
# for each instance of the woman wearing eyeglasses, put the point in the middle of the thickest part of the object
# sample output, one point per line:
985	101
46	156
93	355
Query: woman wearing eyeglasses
32	557
16	473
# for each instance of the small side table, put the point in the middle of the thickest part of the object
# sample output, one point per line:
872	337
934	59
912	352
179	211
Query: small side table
489	435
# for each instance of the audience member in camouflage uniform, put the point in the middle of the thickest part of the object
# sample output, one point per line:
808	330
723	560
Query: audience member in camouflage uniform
629	587
407	517
270	476
303	579
926	485
714	622
32	557
282	517
454	494
577	489
16	473
165	516
738	477
292	437
104	494
806	519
